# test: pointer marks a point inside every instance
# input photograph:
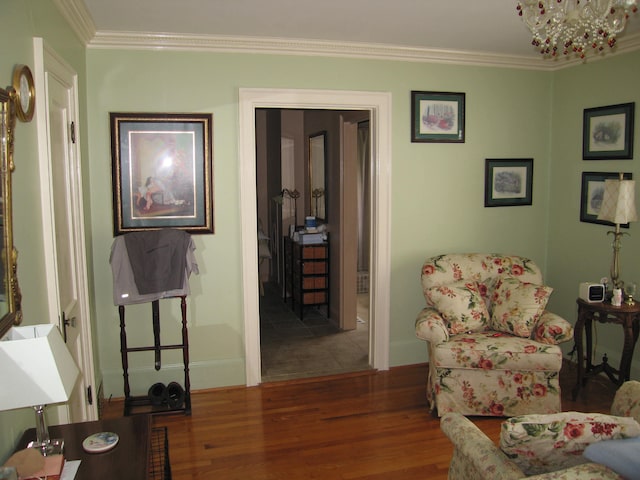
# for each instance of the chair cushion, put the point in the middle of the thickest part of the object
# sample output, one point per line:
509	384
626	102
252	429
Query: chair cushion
517	306
545	443
461	305
621	456
496	351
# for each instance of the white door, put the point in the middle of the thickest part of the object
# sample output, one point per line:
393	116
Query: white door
63	223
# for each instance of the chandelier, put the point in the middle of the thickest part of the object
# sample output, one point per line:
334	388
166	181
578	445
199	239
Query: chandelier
575	26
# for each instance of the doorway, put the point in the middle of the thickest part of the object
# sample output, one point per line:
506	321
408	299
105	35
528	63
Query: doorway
313	163
379	106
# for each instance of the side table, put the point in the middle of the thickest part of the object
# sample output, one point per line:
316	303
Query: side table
628	317
142	452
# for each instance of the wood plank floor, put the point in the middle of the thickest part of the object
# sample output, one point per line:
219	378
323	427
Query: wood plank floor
364	425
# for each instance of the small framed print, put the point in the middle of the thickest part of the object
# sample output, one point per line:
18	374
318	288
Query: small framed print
592	193
508	182
437	117
162	171
607	132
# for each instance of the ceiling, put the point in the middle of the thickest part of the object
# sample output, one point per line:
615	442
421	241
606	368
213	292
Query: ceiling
470	26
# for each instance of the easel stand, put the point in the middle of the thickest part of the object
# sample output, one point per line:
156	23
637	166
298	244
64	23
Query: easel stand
131	402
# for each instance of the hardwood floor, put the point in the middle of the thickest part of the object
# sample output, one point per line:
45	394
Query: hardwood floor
364	425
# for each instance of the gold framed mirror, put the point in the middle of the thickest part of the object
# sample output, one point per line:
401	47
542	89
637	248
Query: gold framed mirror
317	180
10	296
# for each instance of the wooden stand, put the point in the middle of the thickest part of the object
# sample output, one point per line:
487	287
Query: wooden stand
627	316
131	402
307	274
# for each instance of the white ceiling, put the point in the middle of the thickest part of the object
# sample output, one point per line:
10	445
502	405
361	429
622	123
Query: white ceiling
488	26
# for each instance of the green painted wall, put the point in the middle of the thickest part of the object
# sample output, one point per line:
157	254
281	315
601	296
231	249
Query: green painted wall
437	189
579	251
20	21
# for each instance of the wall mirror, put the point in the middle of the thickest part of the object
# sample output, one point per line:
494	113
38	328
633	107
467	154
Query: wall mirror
14	101
317	181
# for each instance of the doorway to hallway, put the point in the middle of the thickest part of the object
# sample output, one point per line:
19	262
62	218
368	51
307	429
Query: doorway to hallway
378	104
319	339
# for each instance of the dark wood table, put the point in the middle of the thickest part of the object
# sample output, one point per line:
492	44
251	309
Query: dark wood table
130	459
628	317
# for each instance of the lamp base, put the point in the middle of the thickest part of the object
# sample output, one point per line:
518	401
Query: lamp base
55	446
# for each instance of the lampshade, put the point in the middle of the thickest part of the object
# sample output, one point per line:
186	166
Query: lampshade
36	367
618	203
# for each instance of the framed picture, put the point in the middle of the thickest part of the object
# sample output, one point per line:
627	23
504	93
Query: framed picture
162	171
592	193
607	132
508	182
437	117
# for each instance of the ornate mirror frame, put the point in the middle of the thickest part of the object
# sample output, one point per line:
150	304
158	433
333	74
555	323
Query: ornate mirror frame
317	175
10	296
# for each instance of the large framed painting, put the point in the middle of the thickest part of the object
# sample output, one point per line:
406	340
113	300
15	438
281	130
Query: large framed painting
508	182
592	194
162	171
437	117
607	132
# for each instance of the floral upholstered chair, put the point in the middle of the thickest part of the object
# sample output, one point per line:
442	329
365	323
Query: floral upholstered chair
493	348
567	446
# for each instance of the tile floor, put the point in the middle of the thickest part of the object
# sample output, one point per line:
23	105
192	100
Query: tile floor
293	348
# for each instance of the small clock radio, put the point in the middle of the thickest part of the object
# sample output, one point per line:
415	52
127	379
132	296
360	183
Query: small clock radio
592	292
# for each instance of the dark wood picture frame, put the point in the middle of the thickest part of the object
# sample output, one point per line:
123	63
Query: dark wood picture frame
607	132
437	117
508	182
162	172
591	194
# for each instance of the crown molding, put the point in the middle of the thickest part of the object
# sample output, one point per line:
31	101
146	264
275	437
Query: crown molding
79	19
76	14
284	46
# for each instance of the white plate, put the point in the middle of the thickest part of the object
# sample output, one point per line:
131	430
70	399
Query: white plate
100	442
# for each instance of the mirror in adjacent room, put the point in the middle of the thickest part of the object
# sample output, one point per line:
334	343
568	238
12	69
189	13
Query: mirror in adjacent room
10	297
317	180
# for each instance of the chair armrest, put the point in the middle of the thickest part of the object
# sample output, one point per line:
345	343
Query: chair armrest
626	403
592	471
552	329
475	455
430	326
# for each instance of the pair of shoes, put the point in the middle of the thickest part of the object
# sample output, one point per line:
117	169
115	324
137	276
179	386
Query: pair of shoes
171	395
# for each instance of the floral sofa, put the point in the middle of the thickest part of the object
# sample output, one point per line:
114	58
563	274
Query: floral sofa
493	348
567	446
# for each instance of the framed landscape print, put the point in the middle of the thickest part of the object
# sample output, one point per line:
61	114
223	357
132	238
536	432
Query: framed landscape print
437	117
607	132
508	182
592	193
162	171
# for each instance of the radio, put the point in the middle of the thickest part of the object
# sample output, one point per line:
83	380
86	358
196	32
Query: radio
592	292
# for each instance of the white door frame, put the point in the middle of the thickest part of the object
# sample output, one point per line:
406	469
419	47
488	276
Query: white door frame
48	62
379	106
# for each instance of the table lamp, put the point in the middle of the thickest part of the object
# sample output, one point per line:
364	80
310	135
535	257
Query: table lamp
618	207
36	369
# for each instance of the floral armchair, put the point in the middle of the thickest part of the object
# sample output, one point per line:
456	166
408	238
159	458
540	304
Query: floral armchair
493	348
567	446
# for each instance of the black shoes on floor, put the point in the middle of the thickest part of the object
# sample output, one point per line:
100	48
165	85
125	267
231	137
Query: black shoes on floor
171	396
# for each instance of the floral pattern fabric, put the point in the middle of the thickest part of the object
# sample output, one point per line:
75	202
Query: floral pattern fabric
517	306
461	305
475	457
476	371
544	443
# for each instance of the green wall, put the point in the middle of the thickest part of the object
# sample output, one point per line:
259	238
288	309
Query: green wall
437	189
20	21
579	251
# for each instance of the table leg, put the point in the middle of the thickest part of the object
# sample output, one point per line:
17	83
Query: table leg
577	338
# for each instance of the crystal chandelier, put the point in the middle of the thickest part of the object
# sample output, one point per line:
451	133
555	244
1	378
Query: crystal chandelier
575	26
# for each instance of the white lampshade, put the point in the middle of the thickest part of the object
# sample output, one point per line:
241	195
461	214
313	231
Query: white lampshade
36	367
618	203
